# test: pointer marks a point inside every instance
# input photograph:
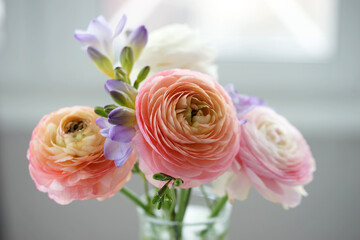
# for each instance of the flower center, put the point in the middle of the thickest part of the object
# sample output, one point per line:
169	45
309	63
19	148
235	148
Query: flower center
74	126
193	110
277	135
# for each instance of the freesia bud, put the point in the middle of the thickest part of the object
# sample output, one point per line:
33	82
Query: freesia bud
122	99
101	61
122	116
127	59
109	108
141	76
178	182
120	74
121	92
137	40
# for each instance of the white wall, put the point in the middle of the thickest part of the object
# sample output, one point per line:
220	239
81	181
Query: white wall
42	69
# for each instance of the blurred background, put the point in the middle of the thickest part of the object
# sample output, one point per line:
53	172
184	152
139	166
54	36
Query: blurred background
302	56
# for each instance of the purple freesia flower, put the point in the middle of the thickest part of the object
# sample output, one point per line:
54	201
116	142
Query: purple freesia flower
242	103
119	128
98	42
118	145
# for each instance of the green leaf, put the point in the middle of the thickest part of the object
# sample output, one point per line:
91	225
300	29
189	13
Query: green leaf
160	194
100	111
141	76
162	177
127	59
168	199
161	202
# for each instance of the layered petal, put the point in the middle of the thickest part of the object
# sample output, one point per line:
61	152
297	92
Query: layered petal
187	127
66	157
274	158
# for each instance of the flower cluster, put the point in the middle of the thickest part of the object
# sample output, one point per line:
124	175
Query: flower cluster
185	128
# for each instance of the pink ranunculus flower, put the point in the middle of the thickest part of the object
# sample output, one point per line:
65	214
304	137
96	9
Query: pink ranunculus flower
188	127
67	159
274	157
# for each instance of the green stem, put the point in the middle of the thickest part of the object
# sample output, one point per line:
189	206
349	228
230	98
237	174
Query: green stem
215	212
173	204
219	206
207	200
172	214
183	202
184	197
133	197
146	189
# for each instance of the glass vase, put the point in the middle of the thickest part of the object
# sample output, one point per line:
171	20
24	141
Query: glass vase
196	223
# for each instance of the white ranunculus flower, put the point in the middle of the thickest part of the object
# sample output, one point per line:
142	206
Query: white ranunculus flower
177	46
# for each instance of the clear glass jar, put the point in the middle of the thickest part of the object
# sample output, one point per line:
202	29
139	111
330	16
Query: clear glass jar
196	224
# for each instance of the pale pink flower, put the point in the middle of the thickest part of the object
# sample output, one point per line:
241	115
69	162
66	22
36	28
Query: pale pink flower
274	158
187	127
66	158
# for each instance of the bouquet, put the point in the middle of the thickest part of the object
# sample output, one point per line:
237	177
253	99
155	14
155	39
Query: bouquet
173	124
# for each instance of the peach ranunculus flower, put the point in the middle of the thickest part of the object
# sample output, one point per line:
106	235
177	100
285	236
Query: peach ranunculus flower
274	158
188	127
67	159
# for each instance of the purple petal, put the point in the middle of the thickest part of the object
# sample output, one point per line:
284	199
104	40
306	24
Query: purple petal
119	152
103	123
85	38
242	103
99	27
102	31
122	134
119	28
241	122
119	162
113	84
95	54
122	116
139	36
137	40
105	132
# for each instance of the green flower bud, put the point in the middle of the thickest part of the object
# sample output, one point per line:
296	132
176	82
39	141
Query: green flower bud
127	59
